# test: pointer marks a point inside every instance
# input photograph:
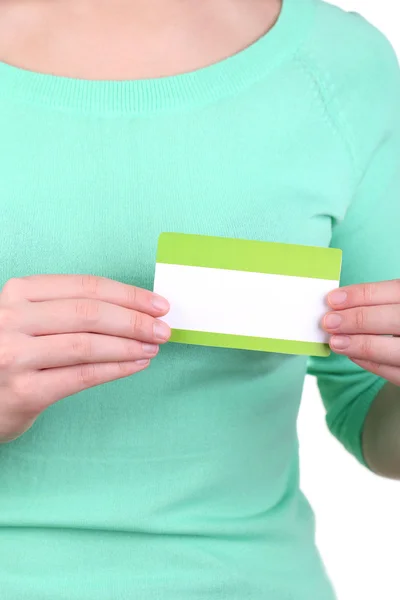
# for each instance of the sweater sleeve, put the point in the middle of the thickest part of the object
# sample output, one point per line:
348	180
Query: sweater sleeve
369	235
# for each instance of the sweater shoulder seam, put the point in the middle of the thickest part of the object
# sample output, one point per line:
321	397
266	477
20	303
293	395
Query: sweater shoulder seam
325	91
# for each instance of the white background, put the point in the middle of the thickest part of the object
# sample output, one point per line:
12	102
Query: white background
358	514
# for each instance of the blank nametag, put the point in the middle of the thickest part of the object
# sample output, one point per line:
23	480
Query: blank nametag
245	294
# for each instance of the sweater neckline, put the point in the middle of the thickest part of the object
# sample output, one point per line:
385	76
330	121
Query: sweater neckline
178	92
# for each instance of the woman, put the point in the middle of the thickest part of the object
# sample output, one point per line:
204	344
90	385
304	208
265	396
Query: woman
120	120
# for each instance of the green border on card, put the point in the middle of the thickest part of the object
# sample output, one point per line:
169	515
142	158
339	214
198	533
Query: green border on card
242	342
251	256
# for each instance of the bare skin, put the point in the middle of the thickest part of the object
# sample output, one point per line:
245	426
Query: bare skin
368	332
144	38
61	334
381	439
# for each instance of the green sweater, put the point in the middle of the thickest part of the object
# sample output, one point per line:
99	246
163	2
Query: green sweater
182	482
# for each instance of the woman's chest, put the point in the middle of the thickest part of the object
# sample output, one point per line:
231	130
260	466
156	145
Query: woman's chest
93	197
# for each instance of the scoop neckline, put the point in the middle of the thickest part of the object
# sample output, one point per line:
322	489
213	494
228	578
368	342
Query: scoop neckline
192	89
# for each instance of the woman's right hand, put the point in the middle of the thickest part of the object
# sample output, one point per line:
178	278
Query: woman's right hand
61	334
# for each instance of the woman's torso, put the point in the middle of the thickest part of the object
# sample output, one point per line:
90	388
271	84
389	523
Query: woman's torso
181	481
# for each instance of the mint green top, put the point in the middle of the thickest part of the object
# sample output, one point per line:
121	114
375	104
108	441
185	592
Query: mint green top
182	482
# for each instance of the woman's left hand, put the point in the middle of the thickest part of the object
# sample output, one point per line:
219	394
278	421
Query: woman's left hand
362	319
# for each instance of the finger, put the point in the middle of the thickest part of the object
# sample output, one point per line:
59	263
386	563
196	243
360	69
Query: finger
387	372
375	348
54	384
51	351
39	288
365	294
90	316
378	320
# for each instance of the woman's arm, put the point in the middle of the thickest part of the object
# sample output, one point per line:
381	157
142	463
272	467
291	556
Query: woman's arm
365	327
358	381
381	434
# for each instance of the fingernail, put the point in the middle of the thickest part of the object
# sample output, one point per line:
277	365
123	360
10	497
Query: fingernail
340	342
337	297
142	363
160	303
150	349
332	321
161	331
